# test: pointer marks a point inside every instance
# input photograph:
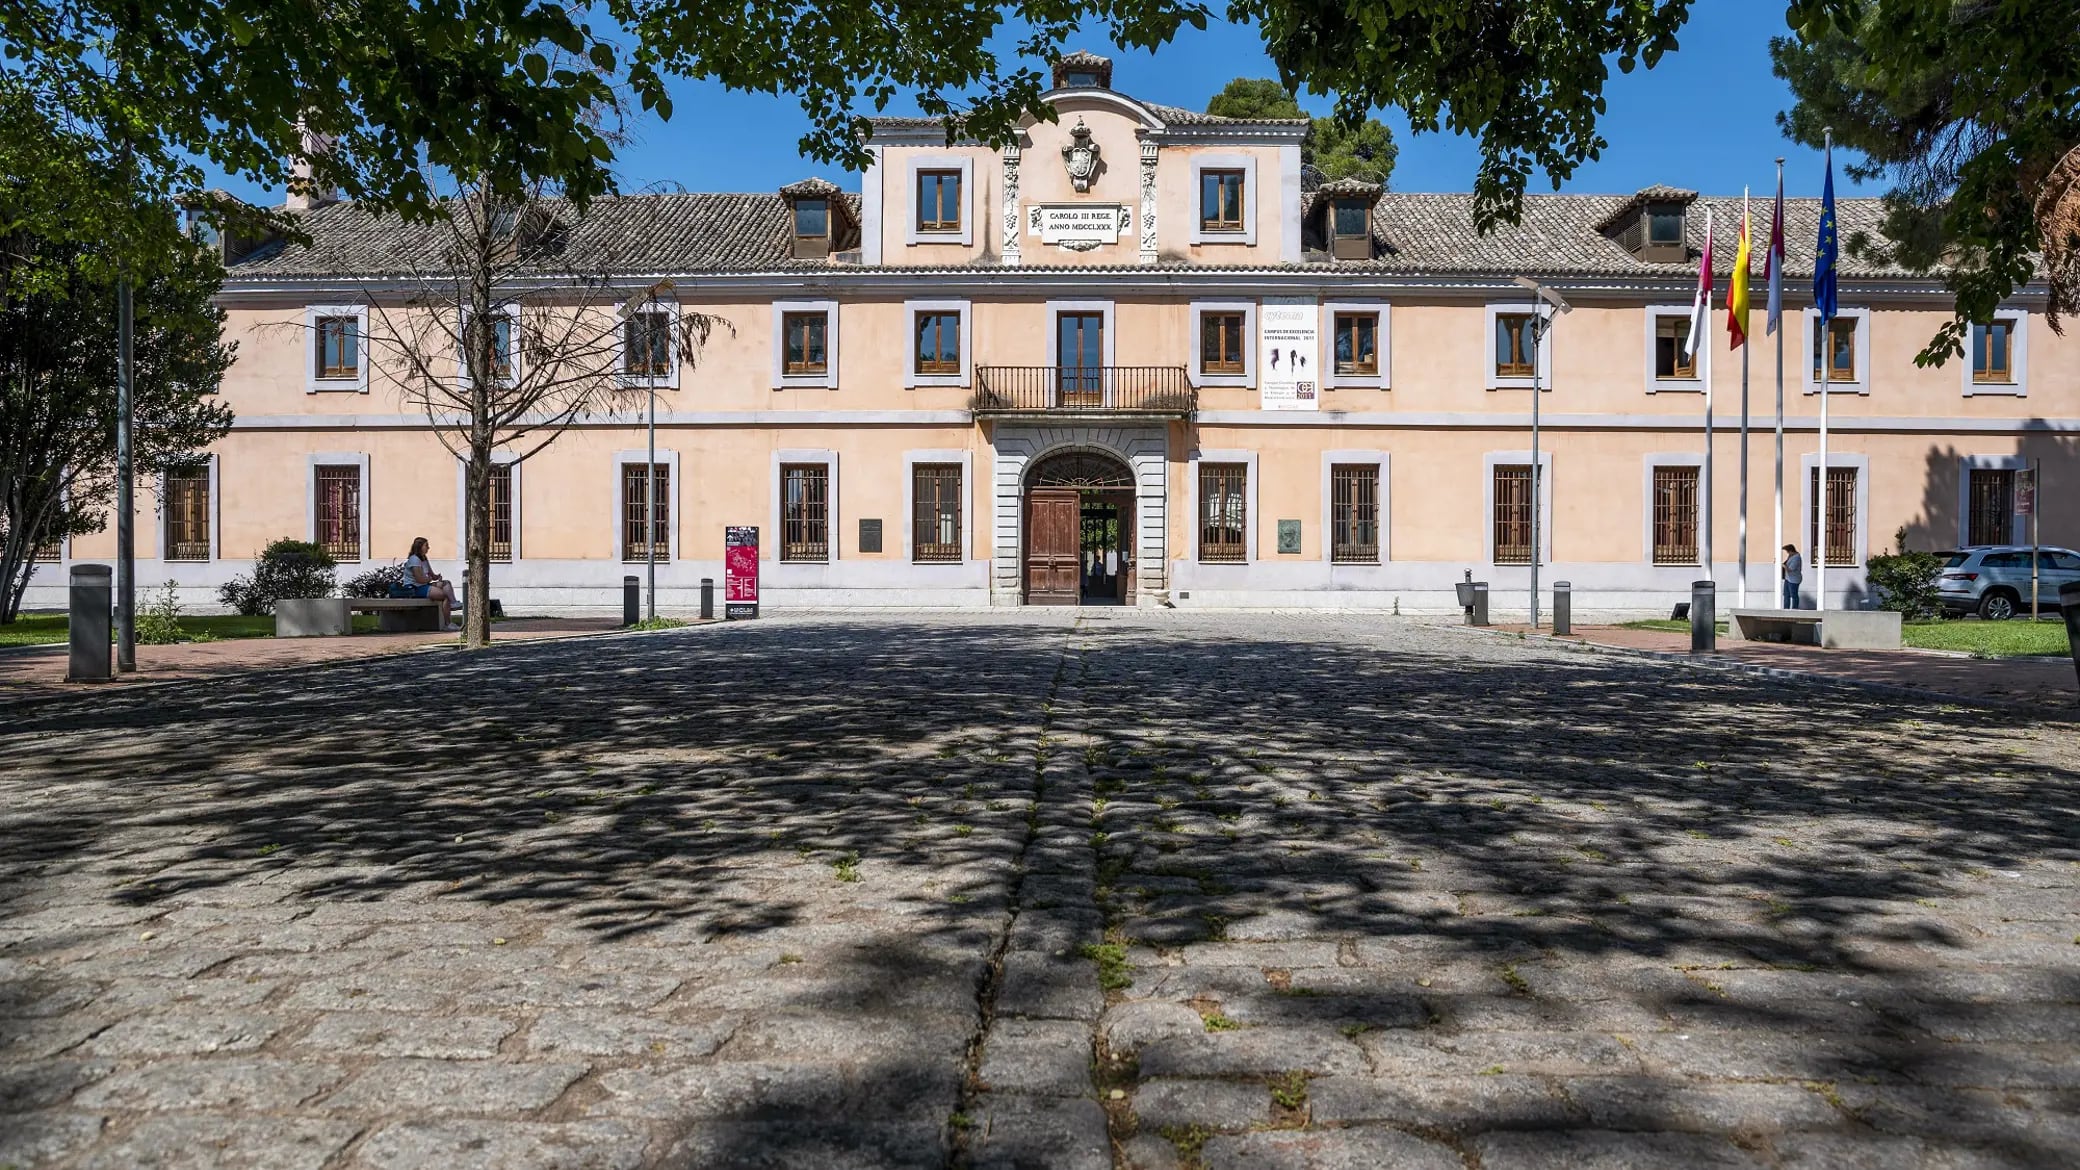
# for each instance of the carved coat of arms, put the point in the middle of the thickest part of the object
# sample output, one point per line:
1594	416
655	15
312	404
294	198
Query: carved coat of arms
1081	157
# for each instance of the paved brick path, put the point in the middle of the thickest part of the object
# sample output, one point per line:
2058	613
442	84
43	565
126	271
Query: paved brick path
1017	889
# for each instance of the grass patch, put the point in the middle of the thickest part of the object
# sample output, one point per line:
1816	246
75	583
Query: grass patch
658	623
1111	959
1988	639
1665	625
44	629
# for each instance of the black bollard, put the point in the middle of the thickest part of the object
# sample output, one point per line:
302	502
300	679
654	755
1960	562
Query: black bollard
87	623
1704	616
1563	608
707	598
631	600
1479	615
2069	605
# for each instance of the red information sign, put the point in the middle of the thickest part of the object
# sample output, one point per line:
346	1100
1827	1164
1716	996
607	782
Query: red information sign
740	571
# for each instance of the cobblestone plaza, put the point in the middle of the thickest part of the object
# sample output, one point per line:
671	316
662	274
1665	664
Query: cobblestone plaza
1072	888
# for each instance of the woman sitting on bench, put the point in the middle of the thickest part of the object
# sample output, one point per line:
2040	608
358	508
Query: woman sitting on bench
422	581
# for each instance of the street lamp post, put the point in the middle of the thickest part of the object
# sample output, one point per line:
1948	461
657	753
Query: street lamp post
1539	328
630	308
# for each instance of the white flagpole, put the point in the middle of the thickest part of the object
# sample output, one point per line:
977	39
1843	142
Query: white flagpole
1748	229
1710	566
1777	279
1826	367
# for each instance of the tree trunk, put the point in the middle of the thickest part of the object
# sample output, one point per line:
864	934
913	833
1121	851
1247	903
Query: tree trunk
476	602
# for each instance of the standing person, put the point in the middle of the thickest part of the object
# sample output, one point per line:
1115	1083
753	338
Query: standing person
1794	574
422	581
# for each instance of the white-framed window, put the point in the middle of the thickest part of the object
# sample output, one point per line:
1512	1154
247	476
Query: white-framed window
1517	340
1224	343
1669	366
940	195
805	345
805	506
646	344
938	350
1996	356
1070	340
1510	492
1221	492
1672	521
188	513
506	343
1848	509
632	506
1849	355
936	512
335	349
336	505
1359	332
505	507
1355	507
1224	199
1986	500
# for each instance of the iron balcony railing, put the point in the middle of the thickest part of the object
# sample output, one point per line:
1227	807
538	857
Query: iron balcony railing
1051	389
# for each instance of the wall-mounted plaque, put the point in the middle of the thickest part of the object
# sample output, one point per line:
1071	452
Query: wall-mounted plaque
1078	227
869	536
1289	536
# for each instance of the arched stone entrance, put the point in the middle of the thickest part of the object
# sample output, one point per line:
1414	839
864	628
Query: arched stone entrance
1079	525
1139	451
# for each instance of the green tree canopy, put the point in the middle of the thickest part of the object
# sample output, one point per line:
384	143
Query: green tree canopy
1339	150
1973	112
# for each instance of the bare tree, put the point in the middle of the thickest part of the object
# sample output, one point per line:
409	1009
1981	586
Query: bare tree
508	334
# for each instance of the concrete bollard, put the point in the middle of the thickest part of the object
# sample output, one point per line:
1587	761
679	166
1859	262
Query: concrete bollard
2069	605
1478	615
631	600
1563	608
707	598
1704	616
87	624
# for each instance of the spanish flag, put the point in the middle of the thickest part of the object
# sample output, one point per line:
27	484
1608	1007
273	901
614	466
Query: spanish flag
1737	290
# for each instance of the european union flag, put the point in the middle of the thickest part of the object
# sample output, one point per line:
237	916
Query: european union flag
1829	249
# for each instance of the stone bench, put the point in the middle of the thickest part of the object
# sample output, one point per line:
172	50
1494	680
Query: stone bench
317	617
1839	629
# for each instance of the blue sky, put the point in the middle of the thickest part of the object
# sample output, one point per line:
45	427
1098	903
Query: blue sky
1704	118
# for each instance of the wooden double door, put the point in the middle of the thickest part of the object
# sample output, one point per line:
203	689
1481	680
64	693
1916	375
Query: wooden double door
1079	546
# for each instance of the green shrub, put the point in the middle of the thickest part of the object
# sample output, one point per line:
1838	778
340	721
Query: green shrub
159	620
285	568
1906	581
376	582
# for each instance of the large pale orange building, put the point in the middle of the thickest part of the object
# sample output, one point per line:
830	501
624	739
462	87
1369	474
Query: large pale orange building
1142	358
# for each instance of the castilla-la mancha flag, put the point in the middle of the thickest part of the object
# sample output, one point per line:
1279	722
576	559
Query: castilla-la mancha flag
1737	290
1701	304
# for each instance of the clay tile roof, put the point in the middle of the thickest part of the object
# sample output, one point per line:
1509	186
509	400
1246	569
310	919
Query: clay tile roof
1179	116
1349	189
1659	193
812	188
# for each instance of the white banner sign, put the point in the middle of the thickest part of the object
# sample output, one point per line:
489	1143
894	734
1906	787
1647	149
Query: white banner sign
1289	353
1078	225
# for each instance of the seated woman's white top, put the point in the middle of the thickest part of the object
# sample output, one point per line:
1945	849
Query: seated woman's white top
418	570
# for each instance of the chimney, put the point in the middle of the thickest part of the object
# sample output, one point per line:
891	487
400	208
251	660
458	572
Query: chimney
305	194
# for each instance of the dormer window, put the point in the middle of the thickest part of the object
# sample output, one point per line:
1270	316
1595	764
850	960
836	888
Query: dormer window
824	223
812	221
1664	225
1081	70
1351	227
1080	79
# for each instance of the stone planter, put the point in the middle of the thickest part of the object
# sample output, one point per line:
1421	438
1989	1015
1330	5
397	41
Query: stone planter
312	617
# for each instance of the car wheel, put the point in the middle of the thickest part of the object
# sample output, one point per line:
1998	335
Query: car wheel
1997	606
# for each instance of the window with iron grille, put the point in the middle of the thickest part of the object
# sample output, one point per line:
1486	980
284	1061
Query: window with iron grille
635	504
1671	360
339	347
1516	345
502	512
805	512
186	509
1675	515
1220	343
935	519
1357	343
803	335
50	552
1513	503
1841	514
1223	512
1993	352
938	342
1991	516
938	201
1842	354
338	488
1354	513
646	344
1220	201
